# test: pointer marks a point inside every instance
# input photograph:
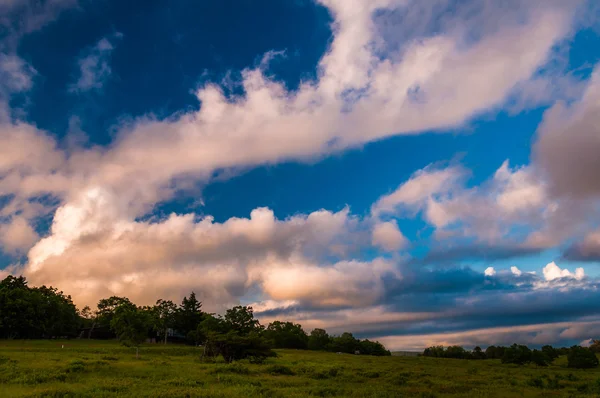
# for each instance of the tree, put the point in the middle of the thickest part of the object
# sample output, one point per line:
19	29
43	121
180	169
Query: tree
131	326
40	312
367	347
435	352
540	358
494	352
581	358
287	335
241	320
164	316
550	352
188	317
318	340
478	353
232	344
457	352
344	343
517	354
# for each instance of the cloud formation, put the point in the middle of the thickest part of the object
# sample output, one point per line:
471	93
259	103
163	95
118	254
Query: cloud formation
94	67
379	78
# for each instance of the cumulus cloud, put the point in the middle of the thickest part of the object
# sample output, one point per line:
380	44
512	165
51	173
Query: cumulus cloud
97	252
387	236
487	212
17	236
553	271
94	67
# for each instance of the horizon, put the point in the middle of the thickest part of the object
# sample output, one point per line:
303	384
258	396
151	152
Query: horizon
417	174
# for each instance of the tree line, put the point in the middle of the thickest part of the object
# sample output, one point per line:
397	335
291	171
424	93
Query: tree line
577	356
41	312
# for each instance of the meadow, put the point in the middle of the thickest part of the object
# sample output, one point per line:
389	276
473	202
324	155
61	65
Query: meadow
92	368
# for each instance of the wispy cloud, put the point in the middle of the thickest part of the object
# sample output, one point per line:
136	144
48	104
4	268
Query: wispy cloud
94	66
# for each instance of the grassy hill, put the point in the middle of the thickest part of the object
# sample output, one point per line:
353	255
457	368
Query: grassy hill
97	369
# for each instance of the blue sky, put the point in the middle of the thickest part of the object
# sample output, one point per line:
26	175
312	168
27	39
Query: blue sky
416	173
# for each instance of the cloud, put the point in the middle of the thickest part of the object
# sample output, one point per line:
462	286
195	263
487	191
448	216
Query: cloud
94	68
567	144
558	334
488	212
553	271
586	250
21	17
387	236
17	236
16	75
96	252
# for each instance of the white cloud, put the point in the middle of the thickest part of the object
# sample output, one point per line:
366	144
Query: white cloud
387	236
489	271
94	68
17	236
516	271
553	271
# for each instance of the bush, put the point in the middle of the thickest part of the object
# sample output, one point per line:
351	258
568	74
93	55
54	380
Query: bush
233	346
581	358
540	358
280	370
517	354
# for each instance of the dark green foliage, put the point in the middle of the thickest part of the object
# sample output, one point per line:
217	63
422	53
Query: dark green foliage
367	347
131	325
435	352
280	370
107	307
478	353
550	352
456	352
235	336
318	340
286	335
233	346
494	352
188	317
581	358
540	358
40	312
517	354
164	316
241	320
344	343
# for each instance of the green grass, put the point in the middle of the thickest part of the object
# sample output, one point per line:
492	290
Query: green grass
105	369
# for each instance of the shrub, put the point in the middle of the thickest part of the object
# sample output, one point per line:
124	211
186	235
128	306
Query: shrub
536	381
540	358
581	358
280	370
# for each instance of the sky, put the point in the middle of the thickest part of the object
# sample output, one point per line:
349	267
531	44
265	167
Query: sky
418	173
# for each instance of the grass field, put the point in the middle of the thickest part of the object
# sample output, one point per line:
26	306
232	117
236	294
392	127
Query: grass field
105	369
